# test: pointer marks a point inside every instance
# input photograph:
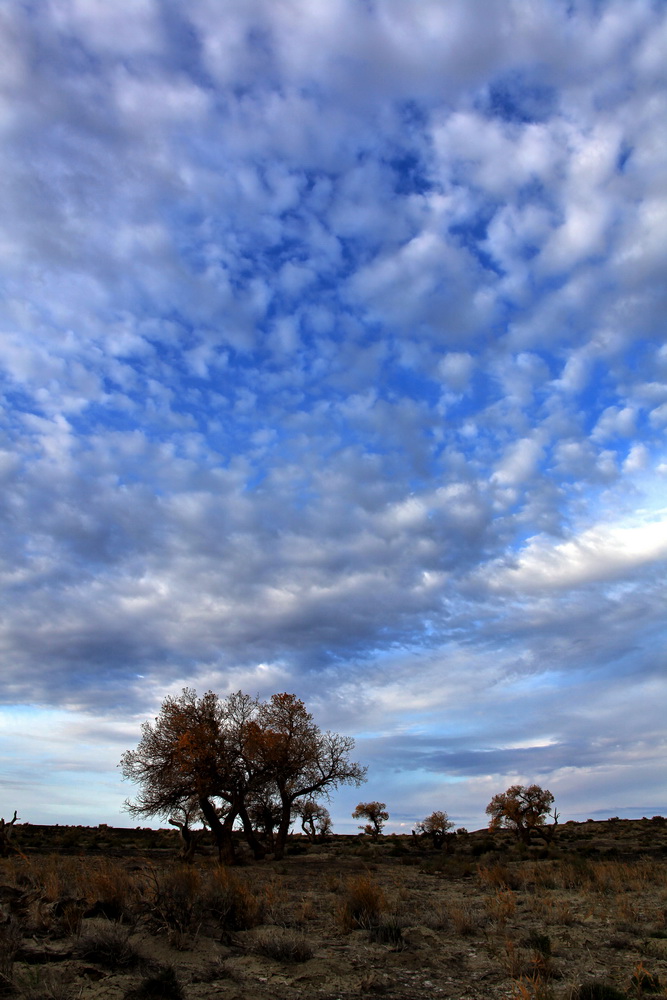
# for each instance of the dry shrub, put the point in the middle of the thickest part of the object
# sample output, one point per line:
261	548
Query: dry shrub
160	985
232	904
531	987
109	890
362	903
10	942
388	930
274	903
282	945
436	918
597	990
627	916
177	903
499	876
108	944
501	906
465	920
307	911
642	981
44	984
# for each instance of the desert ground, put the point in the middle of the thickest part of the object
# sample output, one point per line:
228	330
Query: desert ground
110	914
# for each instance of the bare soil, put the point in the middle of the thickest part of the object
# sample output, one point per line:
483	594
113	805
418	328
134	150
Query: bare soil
100	914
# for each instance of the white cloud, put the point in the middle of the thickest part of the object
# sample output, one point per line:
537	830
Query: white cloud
604	553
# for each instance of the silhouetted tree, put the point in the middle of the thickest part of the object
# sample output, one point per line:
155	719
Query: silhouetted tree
376	812
228	755
315	820
299	759
436	826
6	830
523	809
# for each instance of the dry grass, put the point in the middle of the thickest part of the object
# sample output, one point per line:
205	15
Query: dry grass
575	925
362	904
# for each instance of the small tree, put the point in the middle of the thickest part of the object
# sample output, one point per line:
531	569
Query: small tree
376	812
315	819
6	830
436	827
523	810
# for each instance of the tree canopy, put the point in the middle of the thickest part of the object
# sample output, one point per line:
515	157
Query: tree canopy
238	759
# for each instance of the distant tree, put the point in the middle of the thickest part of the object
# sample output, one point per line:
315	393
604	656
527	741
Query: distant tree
523	810
265	811
315	819
435	826
376	812
6	830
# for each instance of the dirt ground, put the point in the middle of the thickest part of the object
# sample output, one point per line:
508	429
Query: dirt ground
349	918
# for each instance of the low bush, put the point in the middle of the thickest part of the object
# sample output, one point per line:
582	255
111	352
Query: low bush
362	904
160	985
108	944
283	945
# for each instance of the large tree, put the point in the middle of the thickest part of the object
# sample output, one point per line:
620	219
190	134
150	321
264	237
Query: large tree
300	759
195	750
228	755
523	809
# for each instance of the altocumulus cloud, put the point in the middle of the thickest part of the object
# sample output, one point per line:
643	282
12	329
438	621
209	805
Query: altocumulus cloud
333	361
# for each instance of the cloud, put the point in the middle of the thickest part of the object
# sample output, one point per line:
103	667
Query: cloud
313	370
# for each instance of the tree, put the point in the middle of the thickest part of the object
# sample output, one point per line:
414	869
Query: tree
376	812
299	759
315	819
231	755
6	830
436	827
523	810
197	749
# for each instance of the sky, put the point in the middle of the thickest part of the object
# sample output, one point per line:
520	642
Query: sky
333	360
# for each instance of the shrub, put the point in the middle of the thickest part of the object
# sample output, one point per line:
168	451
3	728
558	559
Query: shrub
44	984
283	945
10	941
362	904
161	985
387	930
231	903
108	944
178	903
597	990
644	981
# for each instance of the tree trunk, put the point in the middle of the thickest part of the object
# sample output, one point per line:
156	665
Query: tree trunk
5	835
283	829
222	832
256	846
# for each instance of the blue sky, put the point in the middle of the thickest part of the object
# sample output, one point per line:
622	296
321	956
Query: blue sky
333	361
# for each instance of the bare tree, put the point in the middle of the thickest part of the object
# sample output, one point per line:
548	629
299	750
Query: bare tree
6	830
315	820
376	812
189	837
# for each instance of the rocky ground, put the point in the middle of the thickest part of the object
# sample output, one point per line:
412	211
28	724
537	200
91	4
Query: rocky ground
583	919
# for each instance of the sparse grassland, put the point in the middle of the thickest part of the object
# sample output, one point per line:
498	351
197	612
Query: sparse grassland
95	914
